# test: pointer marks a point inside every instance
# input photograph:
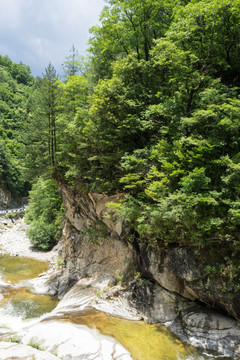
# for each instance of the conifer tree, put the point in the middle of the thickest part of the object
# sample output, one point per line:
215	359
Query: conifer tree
72	64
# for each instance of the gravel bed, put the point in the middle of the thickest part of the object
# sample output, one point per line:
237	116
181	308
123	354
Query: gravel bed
14	241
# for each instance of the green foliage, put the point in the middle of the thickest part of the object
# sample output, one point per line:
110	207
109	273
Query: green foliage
34	343
44	214
15	216
155	115
42	235
39	132
127	27
15	84
97	231
73	64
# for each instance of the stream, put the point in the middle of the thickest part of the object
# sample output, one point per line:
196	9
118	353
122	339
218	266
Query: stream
26	318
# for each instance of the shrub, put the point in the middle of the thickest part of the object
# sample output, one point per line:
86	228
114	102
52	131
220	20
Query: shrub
42	235
44	214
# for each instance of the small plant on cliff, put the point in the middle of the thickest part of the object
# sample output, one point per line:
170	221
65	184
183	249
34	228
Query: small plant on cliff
44	214
96	232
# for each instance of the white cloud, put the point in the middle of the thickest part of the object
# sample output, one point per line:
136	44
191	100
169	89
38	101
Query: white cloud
37	32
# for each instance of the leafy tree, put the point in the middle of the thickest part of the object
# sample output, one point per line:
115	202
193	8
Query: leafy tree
127	27
44	214
71	121
8	172
15	88
211	31
40	136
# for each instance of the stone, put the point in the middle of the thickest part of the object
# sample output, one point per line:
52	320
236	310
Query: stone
74	342
210	330
46	284
16	351
209	320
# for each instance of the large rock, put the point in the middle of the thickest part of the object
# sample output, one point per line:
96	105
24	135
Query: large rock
182	270
93	246
210	330
96	250
86	212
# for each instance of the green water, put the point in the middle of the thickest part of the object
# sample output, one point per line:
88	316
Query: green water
26	305
144	341
15	269
19	302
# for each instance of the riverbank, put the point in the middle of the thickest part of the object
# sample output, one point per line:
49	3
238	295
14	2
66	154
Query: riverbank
14	241
86	280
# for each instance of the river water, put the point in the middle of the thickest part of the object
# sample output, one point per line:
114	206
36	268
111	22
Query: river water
19	308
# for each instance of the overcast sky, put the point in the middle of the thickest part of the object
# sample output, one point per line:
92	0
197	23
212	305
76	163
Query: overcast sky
37	32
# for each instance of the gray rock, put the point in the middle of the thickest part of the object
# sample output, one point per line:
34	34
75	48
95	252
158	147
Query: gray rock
95	248
209	330
5	198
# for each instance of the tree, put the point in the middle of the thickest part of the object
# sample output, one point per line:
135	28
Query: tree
44	214
49	102
40	136
211	31
73	64
127	27
15	89
71	121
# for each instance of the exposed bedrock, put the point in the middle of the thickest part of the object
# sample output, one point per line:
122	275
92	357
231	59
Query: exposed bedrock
163	284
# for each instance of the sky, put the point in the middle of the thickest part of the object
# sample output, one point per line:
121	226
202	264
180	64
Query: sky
39	32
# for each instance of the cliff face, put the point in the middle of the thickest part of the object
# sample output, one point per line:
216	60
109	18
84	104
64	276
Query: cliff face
183	270
92	245
5	198
167	285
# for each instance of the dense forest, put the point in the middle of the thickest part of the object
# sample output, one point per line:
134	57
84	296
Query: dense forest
153	111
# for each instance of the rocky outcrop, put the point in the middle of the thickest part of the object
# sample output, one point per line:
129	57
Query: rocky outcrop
195	324
92	245
207	329
183	270
166	285
5	198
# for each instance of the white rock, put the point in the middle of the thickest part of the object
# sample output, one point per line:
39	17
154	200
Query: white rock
75	342
19	351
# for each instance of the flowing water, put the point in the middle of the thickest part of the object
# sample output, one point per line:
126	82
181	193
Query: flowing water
18	307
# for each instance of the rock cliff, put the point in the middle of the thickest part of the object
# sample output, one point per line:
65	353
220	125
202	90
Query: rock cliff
5	198
129	279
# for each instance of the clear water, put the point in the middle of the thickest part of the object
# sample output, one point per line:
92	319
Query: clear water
19	307
15	269
143	341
